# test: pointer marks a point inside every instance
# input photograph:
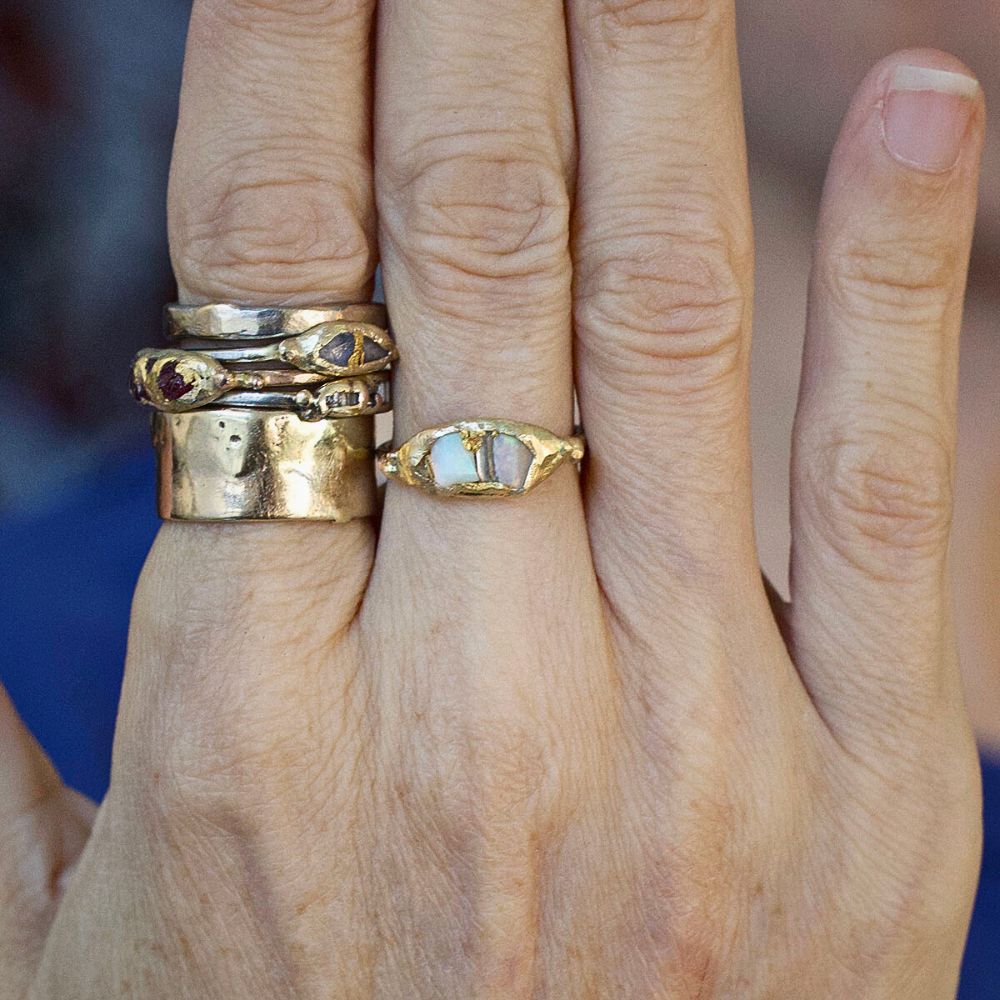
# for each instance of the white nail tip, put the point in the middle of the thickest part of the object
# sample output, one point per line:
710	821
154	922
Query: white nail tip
940	81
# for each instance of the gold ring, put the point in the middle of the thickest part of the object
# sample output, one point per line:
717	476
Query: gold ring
480	458
251	465
338	348
177	381
224	321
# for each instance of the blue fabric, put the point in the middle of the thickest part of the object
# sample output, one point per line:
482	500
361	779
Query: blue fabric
981	970
66	588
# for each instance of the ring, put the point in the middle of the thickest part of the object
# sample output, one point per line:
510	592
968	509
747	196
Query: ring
248	465
223	321
337	348
356	397
177	381
275	425
479	458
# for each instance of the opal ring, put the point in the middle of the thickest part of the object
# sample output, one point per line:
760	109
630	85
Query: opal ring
223	321
479	458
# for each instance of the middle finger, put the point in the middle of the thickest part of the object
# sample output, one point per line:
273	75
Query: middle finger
473	144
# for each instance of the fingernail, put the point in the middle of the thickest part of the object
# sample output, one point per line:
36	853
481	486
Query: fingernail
926	116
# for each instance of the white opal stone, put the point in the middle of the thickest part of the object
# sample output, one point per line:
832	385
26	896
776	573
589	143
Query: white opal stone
451	462
511	460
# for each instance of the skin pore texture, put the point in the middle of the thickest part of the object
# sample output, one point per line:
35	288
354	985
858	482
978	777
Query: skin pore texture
572	747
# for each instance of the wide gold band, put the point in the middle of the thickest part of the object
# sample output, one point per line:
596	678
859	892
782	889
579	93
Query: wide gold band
253	465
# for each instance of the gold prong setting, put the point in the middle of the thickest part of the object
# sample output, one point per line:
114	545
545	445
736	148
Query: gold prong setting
342	349
176	381
491	457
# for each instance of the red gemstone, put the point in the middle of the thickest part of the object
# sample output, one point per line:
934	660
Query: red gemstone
171	383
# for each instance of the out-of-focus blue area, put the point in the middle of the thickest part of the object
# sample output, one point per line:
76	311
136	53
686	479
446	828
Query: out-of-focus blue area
88	106
65	592
981	972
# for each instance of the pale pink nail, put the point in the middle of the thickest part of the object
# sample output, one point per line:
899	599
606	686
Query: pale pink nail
926	116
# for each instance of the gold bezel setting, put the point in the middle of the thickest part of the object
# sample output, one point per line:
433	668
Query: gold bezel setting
341	349
488	457
177	381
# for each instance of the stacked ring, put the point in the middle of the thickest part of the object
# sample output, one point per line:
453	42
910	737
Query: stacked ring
177	381
229	322
252	465
266	414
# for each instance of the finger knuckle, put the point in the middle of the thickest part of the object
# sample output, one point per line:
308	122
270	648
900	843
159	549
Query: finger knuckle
903	282
672	308
681	22
883	492
946	811
262	230
297	15
474	225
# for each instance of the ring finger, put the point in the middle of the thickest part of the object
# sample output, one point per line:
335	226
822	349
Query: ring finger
474	145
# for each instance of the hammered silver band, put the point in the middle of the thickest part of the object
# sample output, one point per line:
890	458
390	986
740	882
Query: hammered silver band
225	321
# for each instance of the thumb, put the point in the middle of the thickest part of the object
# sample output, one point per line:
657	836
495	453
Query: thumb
43	828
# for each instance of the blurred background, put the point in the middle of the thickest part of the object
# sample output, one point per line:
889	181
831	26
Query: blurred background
88	94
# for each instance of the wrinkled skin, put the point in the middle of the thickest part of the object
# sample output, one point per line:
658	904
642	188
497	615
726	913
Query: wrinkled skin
571	746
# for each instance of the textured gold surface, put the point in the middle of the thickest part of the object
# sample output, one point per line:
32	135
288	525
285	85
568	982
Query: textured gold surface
194	379
411	463
249	465
306	350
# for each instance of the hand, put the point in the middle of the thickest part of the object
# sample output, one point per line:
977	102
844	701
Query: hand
561	747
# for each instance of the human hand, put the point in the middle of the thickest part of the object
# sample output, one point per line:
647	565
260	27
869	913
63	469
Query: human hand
565	746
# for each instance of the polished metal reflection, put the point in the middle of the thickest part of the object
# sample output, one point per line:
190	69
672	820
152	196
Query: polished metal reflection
490	457
342	399
224	321
250	465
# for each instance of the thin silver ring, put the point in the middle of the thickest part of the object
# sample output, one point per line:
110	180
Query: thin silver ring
341	349
338	400
225	321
